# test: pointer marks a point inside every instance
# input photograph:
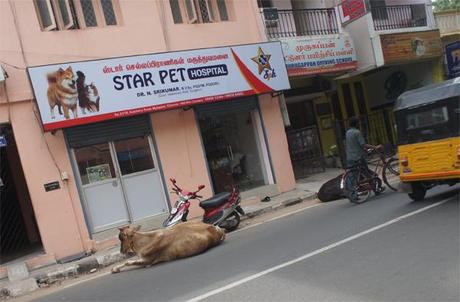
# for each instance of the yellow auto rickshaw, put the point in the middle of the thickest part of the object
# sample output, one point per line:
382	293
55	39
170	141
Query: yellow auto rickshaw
428	127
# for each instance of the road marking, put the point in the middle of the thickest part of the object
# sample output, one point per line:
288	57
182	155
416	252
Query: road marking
316	252
86	279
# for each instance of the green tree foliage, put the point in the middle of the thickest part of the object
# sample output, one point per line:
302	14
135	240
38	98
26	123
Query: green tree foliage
443	5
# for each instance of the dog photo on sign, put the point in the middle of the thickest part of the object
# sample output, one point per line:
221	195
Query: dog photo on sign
62	92
88	95
67	91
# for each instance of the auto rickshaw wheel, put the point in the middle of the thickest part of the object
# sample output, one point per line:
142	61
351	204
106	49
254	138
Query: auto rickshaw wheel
418	191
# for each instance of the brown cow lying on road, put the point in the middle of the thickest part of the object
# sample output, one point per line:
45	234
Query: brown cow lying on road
179	241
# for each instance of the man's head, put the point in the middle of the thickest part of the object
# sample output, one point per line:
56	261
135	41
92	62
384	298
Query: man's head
354	122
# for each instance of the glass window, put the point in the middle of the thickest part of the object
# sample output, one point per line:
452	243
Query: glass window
45	13
190	6
94	163
109	13
176	12
64	11
134	155
427	118
206	17
222	7
88	13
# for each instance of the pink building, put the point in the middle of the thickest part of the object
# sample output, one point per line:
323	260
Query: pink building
65	191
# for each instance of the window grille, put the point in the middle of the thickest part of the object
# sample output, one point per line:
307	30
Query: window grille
109	13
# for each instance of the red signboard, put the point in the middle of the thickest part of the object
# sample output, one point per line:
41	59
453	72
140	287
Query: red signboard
351	10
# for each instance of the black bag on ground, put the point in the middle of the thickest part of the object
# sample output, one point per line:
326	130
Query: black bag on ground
330	190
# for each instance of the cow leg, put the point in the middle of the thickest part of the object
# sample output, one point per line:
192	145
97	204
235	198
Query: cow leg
139	262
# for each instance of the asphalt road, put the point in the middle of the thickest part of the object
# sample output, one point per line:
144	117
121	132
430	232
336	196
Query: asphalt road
388	249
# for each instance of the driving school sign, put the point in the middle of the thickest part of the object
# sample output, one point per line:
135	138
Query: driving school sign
71	94
304	56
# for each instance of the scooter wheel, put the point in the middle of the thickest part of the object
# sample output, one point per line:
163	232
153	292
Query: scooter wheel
184	217
231	223
166	222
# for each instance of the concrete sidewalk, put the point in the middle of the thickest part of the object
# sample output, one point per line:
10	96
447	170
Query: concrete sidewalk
22	282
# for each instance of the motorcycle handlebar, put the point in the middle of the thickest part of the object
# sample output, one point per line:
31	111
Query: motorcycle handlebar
200	187
177	189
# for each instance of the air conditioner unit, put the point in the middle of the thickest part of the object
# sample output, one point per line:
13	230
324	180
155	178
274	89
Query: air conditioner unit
271	17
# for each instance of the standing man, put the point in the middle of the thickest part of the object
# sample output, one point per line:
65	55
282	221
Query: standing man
356	148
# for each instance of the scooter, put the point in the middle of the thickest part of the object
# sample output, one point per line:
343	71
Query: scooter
222	209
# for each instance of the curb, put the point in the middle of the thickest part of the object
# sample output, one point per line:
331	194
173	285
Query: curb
283	204
65	271
92	263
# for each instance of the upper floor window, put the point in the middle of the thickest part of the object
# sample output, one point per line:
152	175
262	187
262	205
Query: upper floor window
73	14
265	3
199	11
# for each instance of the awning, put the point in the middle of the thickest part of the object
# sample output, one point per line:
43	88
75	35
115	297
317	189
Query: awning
356	72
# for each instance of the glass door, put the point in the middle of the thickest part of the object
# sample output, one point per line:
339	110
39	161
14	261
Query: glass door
140	176
233	150
105	202
121	182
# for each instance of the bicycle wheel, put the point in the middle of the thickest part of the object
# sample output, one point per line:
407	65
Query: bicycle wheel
389	173
355	193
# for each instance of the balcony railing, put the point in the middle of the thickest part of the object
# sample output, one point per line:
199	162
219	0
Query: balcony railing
299	22
448	22
399	16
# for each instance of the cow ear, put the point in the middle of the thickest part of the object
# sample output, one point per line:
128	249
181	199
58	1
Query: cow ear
123	228
60	71
69	68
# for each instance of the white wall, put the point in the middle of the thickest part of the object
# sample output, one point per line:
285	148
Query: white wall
361	31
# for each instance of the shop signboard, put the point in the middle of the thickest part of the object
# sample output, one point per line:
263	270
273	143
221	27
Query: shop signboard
453	59
403	47
71	94
305	56
350	10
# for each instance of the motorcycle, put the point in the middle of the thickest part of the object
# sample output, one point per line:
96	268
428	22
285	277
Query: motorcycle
222	209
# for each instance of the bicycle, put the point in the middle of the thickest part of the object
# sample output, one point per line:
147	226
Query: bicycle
358	181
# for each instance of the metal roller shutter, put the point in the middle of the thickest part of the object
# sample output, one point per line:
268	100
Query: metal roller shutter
108	131
237	106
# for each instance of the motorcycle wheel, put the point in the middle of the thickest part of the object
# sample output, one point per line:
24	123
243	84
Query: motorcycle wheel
231	223
167	221
184	217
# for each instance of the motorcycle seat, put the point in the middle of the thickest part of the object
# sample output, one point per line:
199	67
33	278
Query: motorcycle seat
216	200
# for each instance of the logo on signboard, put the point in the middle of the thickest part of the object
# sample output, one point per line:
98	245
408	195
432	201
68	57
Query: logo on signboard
263	61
